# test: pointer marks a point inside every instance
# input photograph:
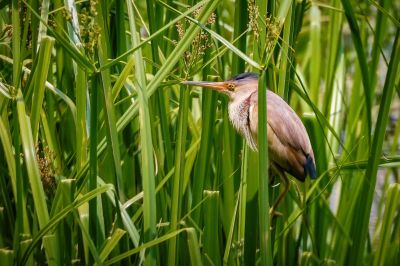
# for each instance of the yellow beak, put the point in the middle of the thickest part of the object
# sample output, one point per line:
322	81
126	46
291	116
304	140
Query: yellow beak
217	86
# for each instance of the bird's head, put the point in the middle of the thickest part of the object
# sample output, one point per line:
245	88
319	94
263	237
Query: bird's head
238	87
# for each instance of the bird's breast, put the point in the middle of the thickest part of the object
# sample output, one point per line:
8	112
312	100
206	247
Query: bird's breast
240	119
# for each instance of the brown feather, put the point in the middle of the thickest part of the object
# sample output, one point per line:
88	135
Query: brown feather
288	142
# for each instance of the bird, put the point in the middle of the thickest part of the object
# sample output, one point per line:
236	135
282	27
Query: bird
289	145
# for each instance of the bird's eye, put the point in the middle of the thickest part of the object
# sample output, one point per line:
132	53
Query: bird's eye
231	86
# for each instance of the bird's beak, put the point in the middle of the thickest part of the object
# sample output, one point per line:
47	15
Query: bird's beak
217	86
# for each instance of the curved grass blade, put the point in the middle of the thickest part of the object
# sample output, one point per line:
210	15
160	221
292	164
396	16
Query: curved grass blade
362	60
111	243
146	245
29	151
40	80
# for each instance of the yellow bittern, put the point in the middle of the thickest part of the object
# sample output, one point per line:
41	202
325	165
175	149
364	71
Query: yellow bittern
289	146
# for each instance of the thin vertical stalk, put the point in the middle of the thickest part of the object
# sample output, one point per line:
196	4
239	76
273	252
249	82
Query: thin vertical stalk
179	171
44	15
81	113
40	80
251	231
240	26
211	227
16	41
148	175
242	195
228	154
93	225
162	96
263	165
284	66
120	31
193	246
362	61
315	51
34	176
334	47
228	259
22	225
21	218
392	204
201	170
380	30
238	66
110	121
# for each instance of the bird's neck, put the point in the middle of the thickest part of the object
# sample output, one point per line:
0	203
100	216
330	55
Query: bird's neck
239	116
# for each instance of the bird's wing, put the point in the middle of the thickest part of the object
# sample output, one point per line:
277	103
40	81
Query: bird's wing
288	140
284	122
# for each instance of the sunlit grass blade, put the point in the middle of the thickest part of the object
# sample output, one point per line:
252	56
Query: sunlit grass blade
334	48
111	243
108	108
44	14
34	177
148	174
284	66
122	77
229	242
194	247
211	239
315	51
40	79
16	39
7	257
82	124
177	192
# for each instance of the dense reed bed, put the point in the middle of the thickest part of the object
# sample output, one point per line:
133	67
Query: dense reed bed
106	158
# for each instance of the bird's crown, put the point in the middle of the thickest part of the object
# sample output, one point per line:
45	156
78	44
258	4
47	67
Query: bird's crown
245	75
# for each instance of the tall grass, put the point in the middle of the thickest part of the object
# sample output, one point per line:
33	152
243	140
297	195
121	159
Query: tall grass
107	159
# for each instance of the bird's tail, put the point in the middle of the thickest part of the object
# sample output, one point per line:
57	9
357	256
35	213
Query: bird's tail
309	167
